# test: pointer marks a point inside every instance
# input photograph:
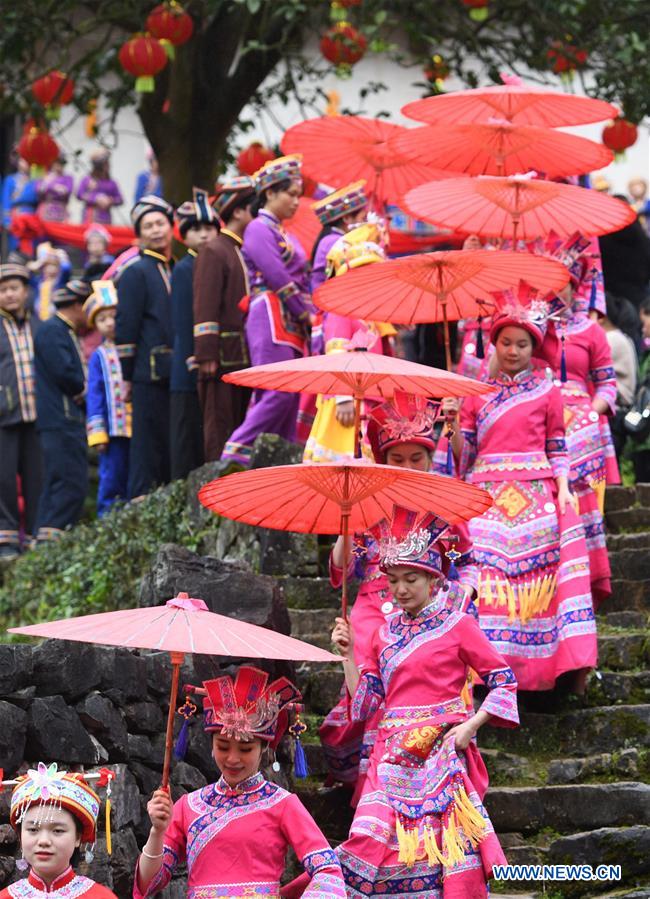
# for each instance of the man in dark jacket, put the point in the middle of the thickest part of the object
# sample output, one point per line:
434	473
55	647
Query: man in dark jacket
61	412
198	224
20	449
143	335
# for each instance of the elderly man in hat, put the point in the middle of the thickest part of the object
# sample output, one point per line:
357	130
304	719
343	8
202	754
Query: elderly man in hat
20	450
61	378
220	282
143	335
198	225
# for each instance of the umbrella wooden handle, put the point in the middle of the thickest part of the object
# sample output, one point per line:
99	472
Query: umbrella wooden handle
177	661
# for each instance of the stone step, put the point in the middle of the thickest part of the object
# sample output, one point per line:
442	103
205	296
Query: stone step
618	498
635	519
628	764
574	733
628	594
313	625
632	563
320	687
629	619
568	808
623	652
625	846
612	687
617	542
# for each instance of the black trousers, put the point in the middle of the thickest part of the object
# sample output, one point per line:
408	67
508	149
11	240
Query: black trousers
186	433
20	455
149	450
65	479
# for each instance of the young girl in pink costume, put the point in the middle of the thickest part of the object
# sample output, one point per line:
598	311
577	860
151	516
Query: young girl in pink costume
234	834
534	594
420	828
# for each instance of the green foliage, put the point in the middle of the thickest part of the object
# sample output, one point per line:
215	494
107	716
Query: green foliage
97	567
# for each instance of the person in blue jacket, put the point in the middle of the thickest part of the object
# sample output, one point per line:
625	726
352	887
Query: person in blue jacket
197	223
108	415
60	370
143	335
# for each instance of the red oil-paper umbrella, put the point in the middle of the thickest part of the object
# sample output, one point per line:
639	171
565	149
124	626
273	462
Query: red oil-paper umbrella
340	149
338	499
519	207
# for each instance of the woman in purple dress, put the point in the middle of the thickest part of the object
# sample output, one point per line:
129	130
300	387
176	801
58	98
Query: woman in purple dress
278	305
54	192
98	190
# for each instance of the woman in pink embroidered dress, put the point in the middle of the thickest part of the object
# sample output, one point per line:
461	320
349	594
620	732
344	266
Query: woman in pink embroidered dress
534	594
420	828
400	433
588	383
234	834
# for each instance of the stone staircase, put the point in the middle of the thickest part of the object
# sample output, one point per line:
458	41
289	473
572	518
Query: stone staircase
572	784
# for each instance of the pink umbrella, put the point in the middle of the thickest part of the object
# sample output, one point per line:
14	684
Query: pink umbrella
182	625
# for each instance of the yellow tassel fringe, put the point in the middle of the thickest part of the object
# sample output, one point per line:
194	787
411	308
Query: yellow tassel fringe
109	841
465	824
523	600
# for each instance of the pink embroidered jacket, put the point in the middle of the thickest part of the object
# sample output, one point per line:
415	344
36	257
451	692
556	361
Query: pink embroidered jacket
234	842
516	433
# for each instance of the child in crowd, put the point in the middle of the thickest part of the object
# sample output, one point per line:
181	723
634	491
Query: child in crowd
108	415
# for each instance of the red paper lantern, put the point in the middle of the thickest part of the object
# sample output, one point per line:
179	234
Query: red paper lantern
37	147
478	9
346	4
143	57
53	91
343	45
253	158
620	135
171	25
565	58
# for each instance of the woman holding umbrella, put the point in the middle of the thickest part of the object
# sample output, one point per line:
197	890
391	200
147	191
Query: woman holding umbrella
534	595
588	384
401	433
278	307
234	834
426	775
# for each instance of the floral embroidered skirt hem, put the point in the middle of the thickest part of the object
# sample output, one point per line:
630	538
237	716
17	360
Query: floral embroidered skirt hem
535	601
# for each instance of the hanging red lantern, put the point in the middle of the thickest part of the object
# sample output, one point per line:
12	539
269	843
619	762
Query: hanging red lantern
564	59
620	135
143	57
343	45
53	91
253	158
437	70
478	9
37	146
171	25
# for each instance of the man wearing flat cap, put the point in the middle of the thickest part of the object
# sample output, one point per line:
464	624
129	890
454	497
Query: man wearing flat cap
61	377
144	338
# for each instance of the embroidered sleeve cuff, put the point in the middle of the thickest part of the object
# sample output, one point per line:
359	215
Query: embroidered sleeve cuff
367	698
162	878
125	350
327	885
560	466
97	438
204	329
501	701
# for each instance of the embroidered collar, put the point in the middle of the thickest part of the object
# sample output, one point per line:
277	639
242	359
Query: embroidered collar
269	215
231	234
66	321
245	786
432	608
503	378
14	318
61	881
155	255
191	252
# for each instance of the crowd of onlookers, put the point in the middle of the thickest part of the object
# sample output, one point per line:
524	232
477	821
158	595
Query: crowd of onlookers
125	355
